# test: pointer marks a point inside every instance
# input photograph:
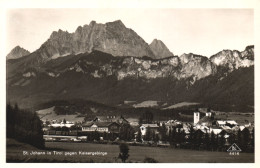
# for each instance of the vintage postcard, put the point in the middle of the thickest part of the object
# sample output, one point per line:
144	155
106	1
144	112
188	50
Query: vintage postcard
130	85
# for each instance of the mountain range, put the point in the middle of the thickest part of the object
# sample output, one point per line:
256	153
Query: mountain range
109	63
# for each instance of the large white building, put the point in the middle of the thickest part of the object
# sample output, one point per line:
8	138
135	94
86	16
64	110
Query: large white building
221	123
101	127
62	124
144	127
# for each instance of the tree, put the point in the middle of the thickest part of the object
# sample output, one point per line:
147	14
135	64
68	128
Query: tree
212	141
140	121
239	138
198	138
64	128
52	128
253	138
91	136
163	132
177	137
147	117
156	138
221	143
148	134
96	136
170	138
105	136
191	136
139	136
111	136
24	126
57	128
213	115
245	138
182	136
206	141
47	122
124	150
126	132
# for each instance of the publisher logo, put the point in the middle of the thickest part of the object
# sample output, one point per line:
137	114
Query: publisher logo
234	149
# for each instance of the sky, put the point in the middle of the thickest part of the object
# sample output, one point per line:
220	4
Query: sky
199	31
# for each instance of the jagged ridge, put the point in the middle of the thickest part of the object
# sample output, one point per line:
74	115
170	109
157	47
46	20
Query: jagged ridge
112	37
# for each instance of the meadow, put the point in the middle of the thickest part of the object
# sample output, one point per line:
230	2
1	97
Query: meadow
69	152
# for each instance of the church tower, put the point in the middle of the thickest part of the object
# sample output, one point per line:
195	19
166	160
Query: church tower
196	117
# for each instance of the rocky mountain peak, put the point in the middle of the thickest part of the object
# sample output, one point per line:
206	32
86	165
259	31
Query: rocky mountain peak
234	59
92	23
17	52
59	34
159	49
113	38
117	23
248	52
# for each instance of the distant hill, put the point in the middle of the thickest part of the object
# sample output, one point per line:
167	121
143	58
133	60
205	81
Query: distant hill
159	49
17	52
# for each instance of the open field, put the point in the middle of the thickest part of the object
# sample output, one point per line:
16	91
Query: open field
49	114
240	118
148	103
182	104
137	154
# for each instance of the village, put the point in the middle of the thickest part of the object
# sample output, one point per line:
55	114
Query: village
205	132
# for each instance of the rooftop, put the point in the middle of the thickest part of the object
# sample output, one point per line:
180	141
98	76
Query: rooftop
150	125
99	124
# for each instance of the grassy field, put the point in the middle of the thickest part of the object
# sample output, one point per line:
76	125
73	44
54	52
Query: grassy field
49	114
182	104
137	154
148	103
240	118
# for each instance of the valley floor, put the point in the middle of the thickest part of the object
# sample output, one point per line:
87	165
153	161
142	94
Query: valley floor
70	152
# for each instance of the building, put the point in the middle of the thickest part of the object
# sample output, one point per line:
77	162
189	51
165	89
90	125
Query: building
196	117
206	121
221	123
208	114
112	118
109	127
232	122
215	130
172	124
62	124
144	127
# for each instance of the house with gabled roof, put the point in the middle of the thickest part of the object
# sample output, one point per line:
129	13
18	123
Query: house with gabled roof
144	127
215	130
222	123
111	118
109	127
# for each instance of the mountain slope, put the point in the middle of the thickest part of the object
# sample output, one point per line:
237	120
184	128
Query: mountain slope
17	52
100	77
159	49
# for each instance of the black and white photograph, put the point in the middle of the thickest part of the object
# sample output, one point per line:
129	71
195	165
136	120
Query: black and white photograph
129	85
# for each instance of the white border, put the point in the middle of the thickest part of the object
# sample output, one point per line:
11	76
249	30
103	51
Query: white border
4	4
